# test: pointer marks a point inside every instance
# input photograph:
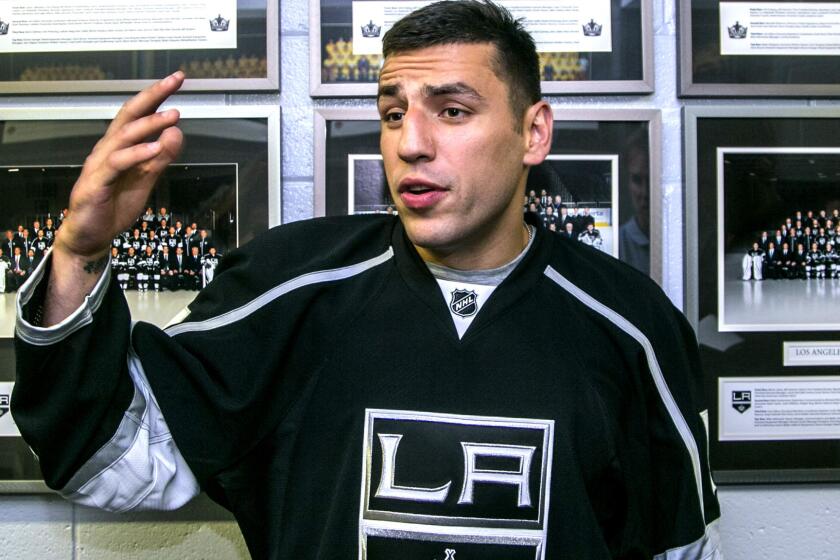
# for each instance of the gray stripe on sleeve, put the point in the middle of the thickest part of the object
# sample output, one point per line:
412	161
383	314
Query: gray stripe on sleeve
279	291
653	365
81	317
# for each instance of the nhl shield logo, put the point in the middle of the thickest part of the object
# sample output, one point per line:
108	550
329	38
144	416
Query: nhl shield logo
741	400
464	303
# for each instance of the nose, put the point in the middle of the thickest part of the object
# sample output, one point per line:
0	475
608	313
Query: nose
416	137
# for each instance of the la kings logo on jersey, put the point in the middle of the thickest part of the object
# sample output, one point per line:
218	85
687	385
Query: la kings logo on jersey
4	405
441	483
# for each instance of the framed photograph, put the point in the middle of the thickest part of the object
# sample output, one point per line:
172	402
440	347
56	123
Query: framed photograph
72	46
585	47
223	191
603	169
759	49
763	287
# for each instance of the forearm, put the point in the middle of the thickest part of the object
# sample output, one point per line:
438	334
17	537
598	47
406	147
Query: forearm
72	278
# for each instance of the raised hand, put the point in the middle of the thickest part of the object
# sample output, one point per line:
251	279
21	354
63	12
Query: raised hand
121	171
111	193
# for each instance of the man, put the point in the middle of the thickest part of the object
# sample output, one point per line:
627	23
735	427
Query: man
591	236
209	263
203	243
193	270
4	270
10	242
366	386
162	217
49	230
770	267
36	227
17	268
549	219
25	241
41	244
751	264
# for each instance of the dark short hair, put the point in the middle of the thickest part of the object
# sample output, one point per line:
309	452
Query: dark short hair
475	21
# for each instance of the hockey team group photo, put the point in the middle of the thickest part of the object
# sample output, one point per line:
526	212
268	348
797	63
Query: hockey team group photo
780	231
160	262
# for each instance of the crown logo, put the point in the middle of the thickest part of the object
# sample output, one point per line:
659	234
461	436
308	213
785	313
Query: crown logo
592	29
370	29
737	31
219	23
4	27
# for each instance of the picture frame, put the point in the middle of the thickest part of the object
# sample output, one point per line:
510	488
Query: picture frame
768	342
624	140
248	62
336	71
226	181
715	62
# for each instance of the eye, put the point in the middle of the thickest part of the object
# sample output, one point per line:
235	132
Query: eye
393	116
453	112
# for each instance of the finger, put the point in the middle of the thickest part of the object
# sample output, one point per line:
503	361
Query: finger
148	100
153	157
128	158
171	140
137	131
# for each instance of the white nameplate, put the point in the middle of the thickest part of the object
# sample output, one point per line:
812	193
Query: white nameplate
778	408
7	425
555	25
116	25
780	28
811	353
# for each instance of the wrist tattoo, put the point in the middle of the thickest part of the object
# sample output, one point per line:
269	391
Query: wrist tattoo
97	266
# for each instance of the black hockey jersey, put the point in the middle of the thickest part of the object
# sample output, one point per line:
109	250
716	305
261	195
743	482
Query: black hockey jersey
358	425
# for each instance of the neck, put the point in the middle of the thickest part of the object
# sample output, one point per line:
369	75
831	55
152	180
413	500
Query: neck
490	250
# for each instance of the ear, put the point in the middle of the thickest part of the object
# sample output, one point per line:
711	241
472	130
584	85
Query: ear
537	130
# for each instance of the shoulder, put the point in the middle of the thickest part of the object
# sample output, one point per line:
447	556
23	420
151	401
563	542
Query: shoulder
326	240
601	281
299	248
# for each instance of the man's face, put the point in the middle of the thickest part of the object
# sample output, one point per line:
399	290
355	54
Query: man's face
453	158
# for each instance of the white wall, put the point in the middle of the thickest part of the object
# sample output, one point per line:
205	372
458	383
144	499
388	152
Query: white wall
759	523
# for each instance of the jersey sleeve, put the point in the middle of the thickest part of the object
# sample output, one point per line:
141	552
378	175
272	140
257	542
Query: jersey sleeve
656	394
223	377
98	432
684	496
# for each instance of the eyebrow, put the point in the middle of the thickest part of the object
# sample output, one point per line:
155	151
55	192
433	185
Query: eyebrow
455	88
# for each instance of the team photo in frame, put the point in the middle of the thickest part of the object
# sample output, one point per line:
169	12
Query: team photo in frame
604	46
612	174
768	338
224	187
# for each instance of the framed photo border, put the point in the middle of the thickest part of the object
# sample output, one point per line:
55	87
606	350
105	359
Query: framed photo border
691	114
652	116
273	118
643	86
687	87
270	83
691	283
